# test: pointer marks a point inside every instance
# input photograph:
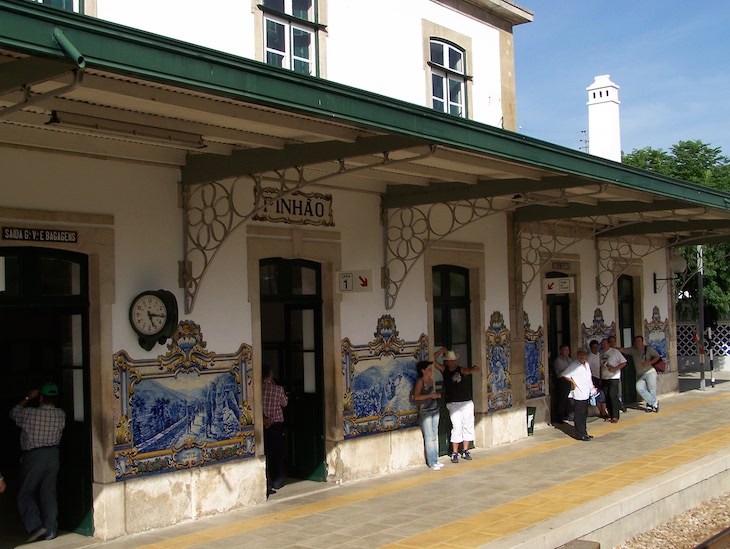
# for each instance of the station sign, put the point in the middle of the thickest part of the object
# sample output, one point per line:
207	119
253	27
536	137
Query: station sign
563	285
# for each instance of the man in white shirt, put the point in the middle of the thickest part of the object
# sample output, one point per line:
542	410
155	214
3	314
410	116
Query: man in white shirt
578	374
612	362
646	377
594	360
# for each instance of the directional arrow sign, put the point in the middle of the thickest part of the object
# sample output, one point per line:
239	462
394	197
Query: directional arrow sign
563	285
354	281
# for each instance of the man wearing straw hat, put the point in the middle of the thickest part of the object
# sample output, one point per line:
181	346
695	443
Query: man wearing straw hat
458	402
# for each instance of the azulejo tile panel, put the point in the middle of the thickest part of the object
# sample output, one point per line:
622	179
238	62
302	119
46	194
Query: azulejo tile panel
499	380
188	408
379	377
534	365
598	330
656	334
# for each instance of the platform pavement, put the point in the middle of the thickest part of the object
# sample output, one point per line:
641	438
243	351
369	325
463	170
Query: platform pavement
540	492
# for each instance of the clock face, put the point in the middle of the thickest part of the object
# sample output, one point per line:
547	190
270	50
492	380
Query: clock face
148	314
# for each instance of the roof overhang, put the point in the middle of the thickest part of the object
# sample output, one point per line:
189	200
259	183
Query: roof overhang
147	98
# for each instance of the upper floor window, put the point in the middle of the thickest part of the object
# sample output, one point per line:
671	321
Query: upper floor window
69	5
448	77
290	34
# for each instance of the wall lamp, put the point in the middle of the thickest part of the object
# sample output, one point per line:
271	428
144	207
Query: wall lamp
677	264
124	130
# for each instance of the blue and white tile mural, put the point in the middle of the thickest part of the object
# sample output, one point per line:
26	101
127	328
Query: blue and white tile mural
499	379
534	367
656	334
379	377
598	330
188	408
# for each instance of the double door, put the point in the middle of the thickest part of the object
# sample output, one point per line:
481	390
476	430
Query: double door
291	337
44	337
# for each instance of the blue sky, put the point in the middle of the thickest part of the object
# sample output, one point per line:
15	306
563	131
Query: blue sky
671	60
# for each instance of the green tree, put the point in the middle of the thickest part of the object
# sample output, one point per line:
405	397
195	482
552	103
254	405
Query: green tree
704	164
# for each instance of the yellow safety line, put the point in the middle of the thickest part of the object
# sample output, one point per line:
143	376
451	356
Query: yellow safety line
498	522
487	526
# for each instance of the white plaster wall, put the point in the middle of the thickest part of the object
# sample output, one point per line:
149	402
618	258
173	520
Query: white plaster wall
225	25
222	308
655	262
147	221
493	234
588	271
393	64
376	46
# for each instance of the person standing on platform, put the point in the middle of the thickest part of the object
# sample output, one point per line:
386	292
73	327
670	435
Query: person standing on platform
274	401
561	364
458	402
612	343
41	428
578	374
646	377
424	392
612	362
594	359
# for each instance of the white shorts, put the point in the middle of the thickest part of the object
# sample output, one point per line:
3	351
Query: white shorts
462	420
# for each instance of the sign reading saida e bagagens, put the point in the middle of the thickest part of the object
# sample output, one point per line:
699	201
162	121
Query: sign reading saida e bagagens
39	235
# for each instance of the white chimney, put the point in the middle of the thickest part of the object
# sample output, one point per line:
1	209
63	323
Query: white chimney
604	131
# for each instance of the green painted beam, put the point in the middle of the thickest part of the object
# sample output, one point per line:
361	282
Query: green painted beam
202	168
403	196
542	213
29	71
667	227
28	27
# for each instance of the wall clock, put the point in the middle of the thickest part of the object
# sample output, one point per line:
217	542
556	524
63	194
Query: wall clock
153	316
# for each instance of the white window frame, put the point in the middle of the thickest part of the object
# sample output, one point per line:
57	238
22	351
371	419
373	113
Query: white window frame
448	75
291	25
77	5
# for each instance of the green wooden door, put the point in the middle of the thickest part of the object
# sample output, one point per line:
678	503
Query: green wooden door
291	336
44	327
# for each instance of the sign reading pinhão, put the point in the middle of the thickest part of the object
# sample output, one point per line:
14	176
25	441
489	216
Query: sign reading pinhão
39	235
295	208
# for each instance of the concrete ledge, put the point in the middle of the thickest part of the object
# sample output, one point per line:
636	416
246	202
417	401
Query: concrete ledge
621	515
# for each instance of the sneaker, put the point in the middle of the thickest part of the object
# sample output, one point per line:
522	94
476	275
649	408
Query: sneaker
36	534
648	409
454	458
656	407
51	535
466	455
436	467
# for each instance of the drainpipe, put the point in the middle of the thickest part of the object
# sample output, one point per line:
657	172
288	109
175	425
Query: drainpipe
71	52
68	48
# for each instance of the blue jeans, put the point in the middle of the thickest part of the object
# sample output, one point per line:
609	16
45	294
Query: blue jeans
430	428
646	387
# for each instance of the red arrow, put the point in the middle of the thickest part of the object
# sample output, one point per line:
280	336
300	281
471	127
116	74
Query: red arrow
551	285
363	281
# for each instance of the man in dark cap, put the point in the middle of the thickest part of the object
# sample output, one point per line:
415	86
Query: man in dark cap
41	430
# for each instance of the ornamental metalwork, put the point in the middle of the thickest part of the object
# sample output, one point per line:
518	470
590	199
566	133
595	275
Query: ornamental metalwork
212	211
411	230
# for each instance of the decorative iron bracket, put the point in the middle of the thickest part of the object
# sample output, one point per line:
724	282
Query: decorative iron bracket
213	210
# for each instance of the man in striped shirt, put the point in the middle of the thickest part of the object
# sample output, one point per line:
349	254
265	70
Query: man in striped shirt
274	401
41	430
